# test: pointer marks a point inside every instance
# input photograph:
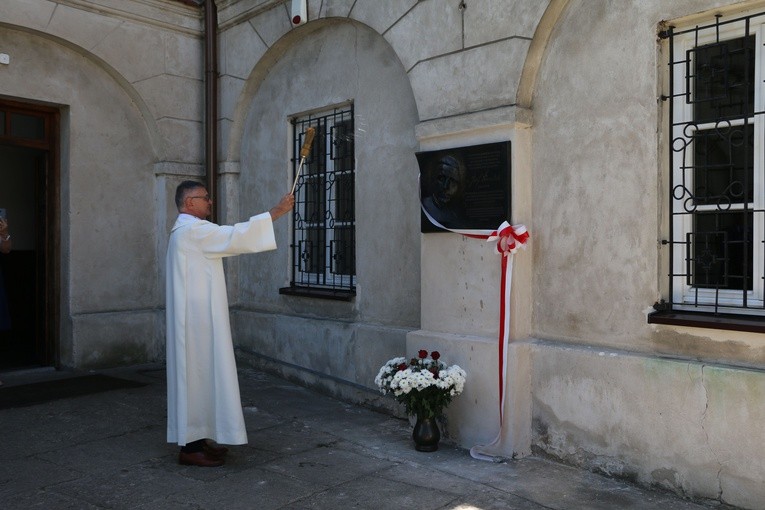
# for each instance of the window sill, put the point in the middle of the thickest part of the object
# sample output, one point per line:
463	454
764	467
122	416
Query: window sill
313	292
749	323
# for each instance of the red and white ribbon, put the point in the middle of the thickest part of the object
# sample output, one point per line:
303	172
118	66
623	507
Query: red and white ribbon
509	239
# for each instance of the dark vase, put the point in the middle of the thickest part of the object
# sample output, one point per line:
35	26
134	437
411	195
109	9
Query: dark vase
426	434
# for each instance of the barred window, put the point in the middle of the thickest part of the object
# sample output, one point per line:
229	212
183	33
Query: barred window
717	182
323	225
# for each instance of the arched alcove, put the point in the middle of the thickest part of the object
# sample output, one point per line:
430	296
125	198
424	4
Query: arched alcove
336	61
108	149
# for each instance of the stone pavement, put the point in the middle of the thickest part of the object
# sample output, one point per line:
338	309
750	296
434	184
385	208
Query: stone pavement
306	451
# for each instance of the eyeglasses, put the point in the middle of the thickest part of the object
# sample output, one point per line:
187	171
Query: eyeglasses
205	198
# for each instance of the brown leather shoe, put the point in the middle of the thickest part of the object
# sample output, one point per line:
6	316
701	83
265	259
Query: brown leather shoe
198	459
213	449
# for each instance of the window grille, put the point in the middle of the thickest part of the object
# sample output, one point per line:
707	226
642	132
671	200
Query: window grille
717	183
323	227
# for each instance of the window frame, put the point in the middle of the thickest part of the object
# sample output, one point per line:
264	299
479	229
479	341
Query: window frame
319	211
689	303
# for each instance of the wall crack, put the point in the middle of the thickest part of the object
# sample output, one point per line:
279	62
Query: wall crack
706	435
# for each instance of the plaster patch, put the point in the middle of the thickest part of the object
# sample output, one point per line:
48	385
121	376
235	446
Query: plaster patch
671	341
665	477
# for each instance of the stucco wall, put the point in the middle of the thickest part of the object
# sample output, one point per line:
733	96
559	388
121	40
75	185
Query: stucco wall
431	67
577	94
98	114
686	426
128	83
678	424
595	177
338	62
597	194
662	405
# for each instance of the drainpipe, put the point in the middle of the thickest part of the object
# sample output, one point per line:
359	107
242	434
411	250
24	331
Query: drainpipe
211	103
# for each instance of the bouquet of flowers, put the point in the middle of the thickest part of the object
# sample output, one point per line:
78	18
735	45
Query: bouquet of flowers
425	386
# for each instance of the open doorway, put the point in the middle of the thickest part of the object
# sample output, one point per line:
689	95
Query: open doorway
29	273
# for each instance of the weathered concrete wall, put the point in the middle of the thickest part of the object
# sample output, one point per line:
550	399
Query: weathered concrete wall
448	72
574	84
348	341
127	81
596	191
460	289
686	426
663	405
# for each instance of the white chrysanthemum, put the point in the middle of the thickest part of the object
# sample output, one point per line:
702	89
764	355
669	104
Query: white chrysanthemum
443	383
402	382
452	379
386	373
406	385
424	380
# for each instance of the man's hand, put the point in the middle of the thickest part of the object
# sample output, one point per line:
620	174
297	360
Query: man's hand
283	207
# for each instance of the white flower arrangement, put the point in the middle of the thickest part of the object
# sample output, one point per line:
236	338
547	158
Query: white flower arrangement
425	386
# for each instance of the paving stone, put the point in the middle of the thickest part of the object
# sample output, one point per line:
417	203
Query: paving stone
305	451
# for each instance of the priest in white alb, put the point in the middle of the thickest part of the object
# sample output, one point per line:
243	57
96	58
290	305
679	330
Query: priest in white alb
204	409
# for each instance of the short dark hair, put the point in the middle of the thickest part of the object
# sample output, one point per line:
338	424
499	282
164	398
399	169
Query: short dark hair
180	191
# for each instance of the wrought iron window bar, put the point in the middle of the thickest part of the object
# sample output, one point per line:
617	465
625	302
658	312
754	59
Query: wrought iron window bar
712	160
323	222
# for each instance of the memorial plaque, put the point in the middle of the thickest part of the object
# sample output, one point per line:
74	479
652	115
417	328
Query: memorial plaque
465	187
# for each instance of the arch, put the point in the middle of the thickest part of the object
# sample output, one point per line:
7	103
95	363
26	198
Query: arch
132	93
338	61
261	70
109	145
533	62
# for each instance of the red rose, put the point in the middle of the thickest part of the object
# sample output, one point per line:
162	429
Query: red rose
422	354
402	366
435	355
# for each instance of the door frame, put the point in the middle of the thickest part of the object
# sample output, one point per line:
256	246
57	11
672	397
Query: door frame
47	264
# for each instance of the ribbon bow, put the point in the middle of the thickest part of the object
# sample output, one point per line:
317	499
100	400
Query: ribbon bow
509	238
